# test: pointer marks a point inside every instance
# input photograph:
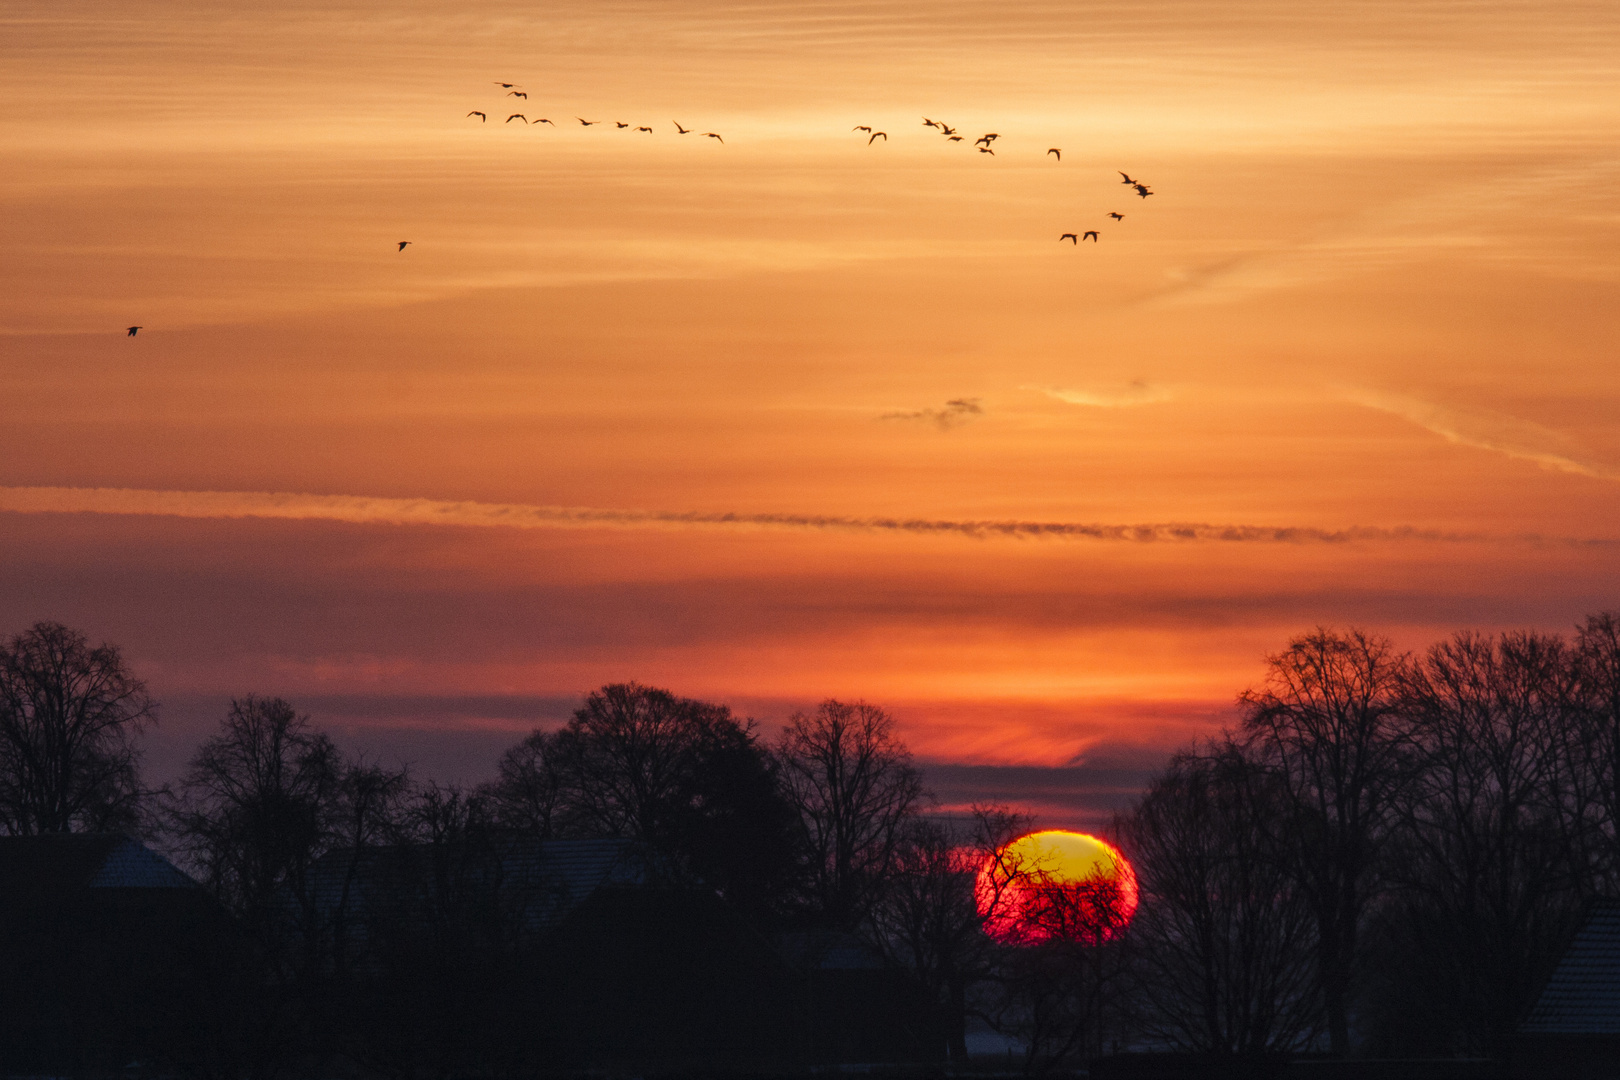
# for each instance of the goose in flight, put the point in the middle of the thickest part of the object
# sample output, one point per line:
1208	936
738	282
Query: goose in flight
1116	217
862	127
132	331
1056	151
954	138
1142	190
517	93
482	119
875	135
648	130
1071	238
505	85
517	116
403	244
947	130
683	131
587	123
987	150
712	135
1089	234
1127	179
542	120
619	125
929	123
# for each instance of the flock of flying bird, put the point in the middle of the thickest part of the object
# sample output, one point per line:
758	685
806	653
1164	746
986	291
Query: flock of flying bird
985	144
513	92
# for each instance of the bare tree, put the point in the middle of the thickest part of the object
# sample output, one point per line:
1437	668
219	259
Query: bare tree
528	793
1326	719
1223	939
930	917
1490	882
855	790
682	776
68	717
260	803
1595	773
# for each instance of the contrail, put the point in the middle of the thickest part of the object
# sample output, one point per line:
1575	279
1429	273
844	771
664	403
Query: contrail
360	509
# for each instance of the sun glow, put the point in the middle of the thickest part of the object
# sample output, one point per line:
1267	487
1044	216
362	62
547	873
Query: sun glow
1056	885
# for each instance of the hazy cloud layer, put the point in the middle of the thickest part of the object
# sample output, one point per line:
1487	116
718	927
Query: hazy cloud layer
1483	430
360	509
1132	393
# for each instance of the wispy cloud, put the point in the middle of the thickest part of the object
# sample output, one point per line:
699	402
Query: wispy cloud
1485	430
957	411
1130	394
360	509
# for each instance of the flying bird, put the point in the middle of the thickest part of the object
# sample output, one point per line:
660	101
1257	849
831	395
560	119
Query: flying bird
1142	190
947	130
875	135
542	120
987	150
1116	217
992	136
517	116
505	85
1089	234
403	244
1056	151
587	123
132	331
1071	238
482	119
862	127
517	93
619	125
1127	179
648	130
929	123
954	138
712	135
985	139
683	131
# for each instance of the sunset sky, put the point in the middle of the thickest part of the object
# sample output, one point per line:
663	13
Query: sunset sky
785	417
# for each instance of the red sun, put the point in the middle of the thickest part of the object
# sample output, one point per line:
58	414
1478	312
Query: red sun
1056	885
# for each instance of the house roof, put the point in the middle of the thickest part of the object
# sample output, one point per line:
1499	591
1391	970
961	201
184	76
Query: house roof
73	861
1583	995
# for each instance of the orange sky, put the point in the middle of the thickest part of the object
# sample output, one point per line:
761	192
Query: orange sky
1375	289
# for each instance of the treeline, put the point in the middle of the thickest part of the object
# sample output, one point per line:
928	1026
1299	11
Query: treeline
1384	856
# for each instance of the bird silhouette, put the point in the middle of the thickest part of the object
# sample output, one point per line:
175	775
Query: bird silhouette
403	244
1056	151
542	120
1142	190
1071	238
517	93
132	331
587	123
985	140
862	127
992	137
954	138
517	116
875	135
619	125
1116	217
947	130
1127	177
482	119
648	130
1089	234
987	150
712	135
506	85
929	123
681	130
